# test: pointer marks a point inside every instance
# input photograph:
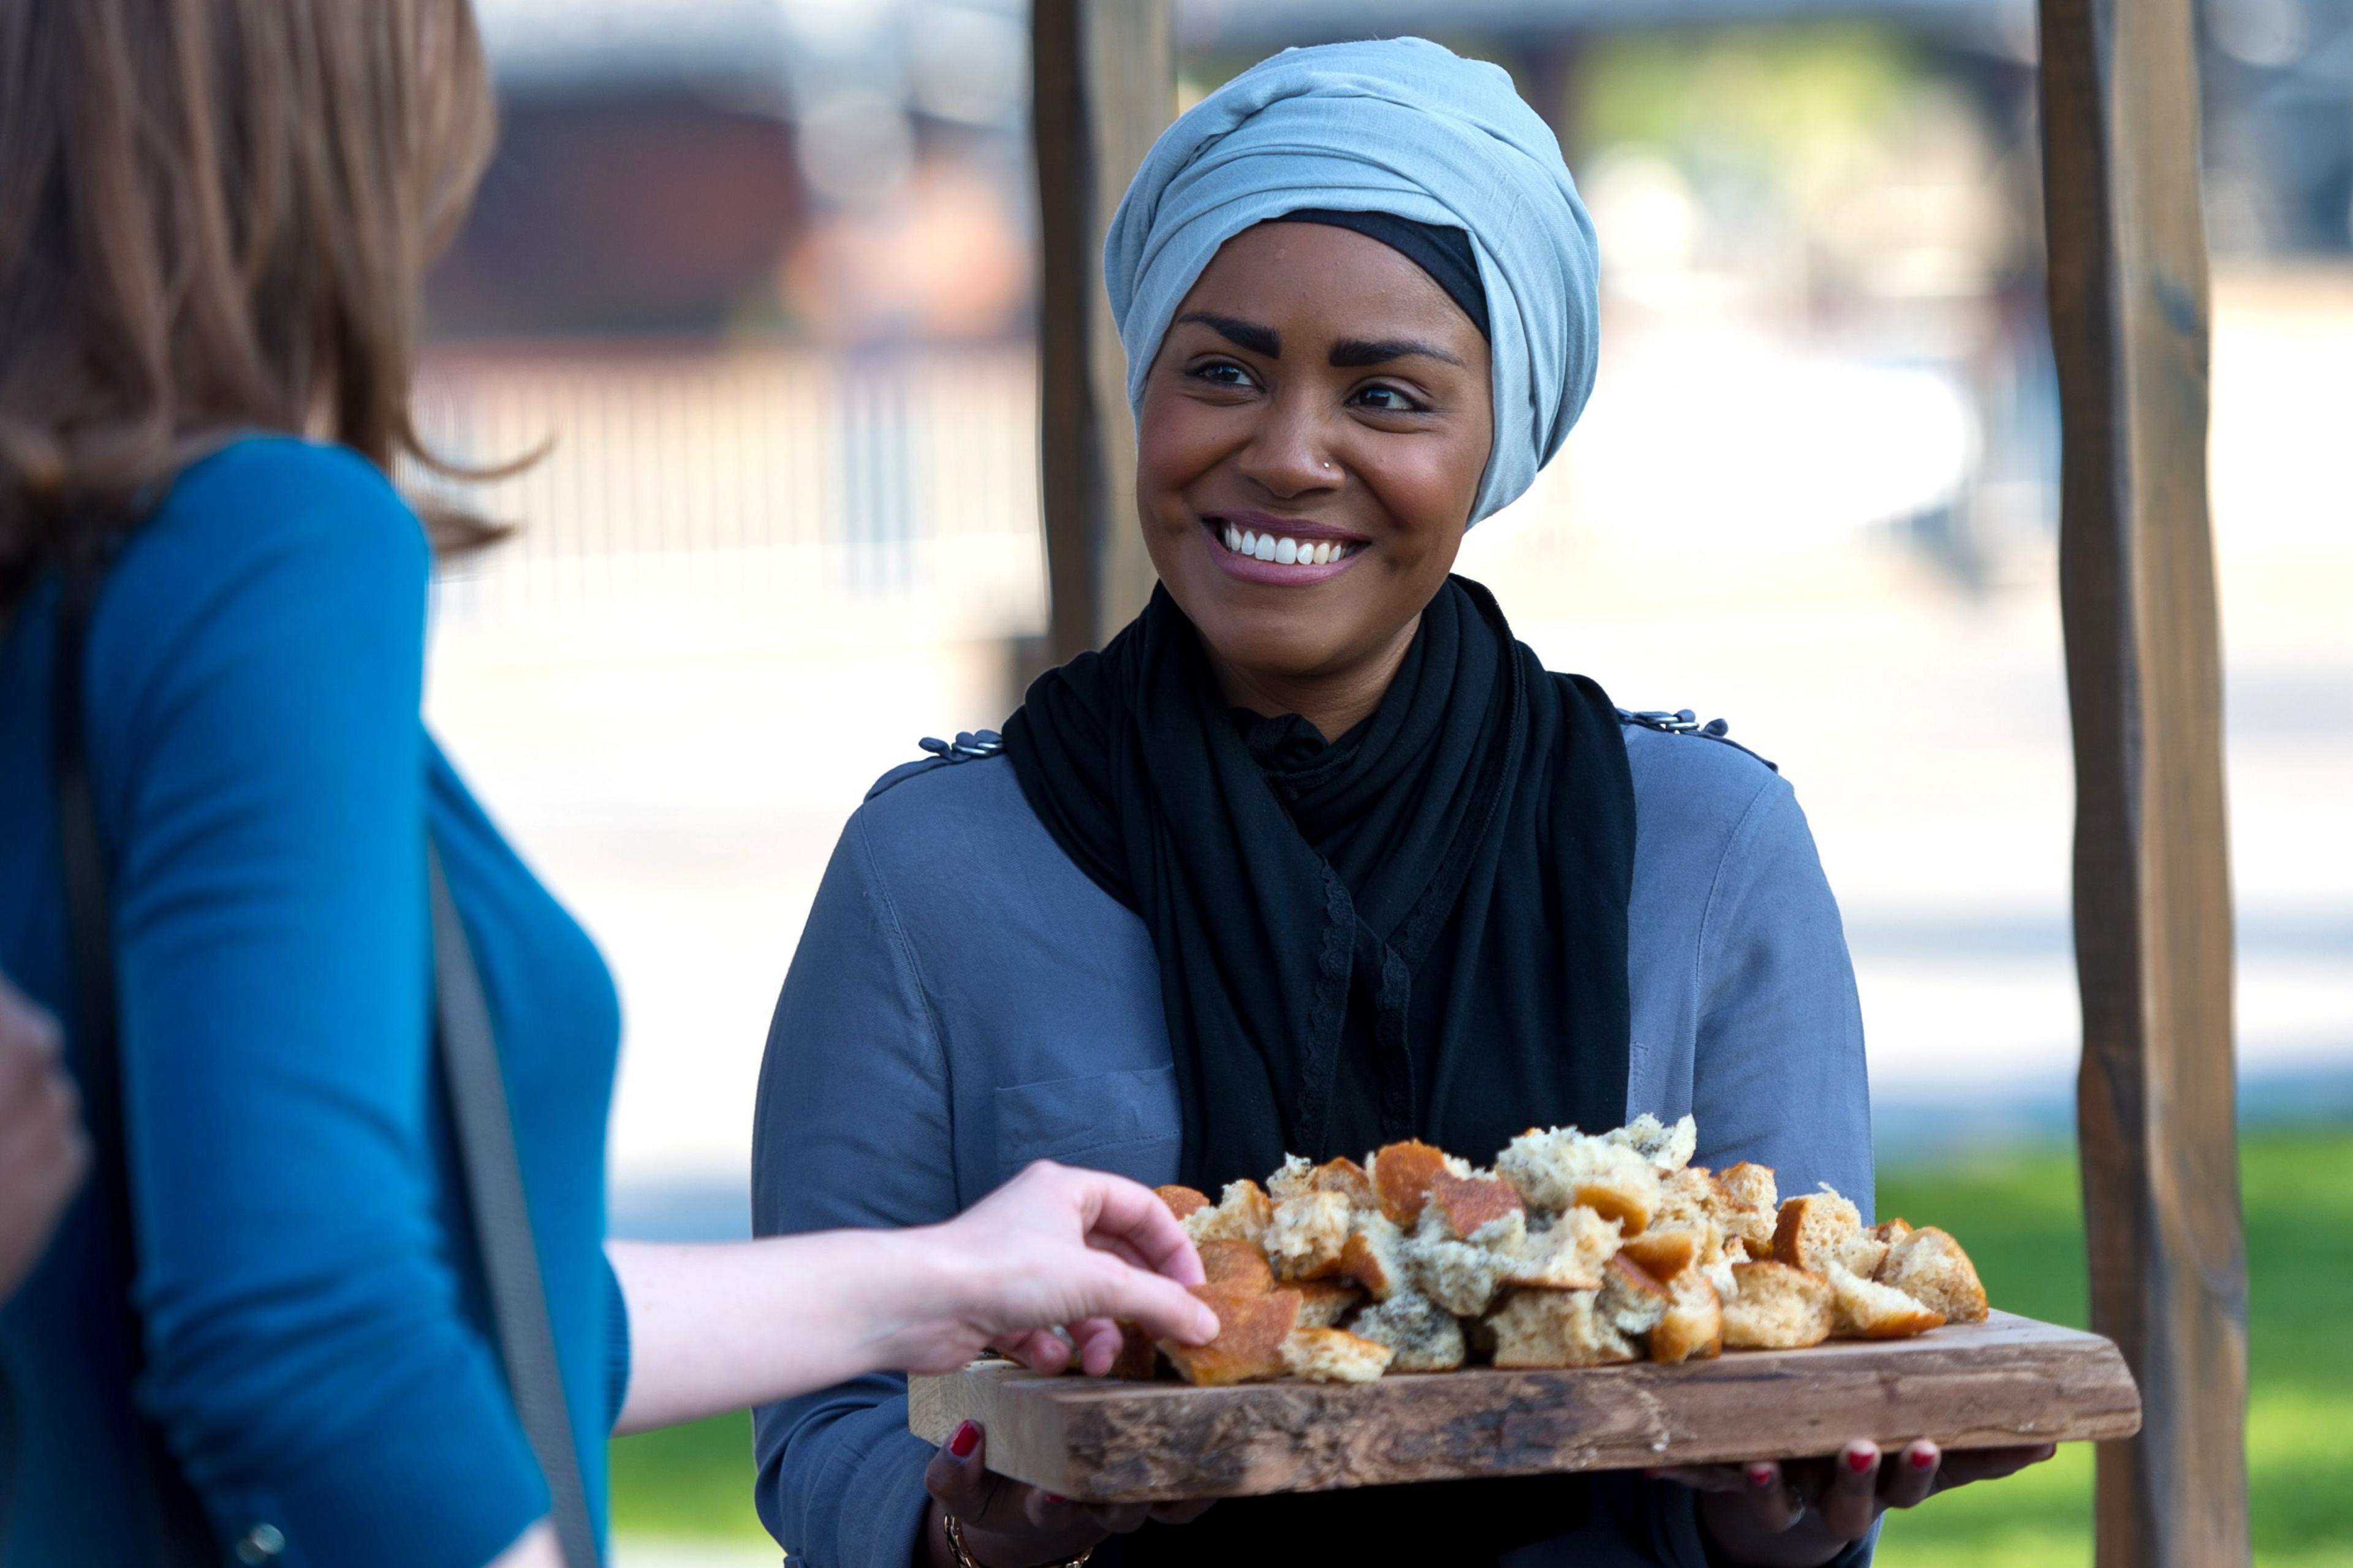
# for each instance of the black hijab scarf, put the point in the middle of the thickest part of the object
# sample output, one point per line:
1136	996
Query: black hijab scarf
1418	930
1450	879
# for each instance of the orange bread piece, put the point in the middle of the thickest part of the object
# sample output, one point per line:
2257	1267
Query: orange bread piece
1467	1203
1664	1254
1242	1214
1631	1301
1335	1355
1250	1334
1183	1202
1345	1176
1747	1205
1822	1229
1236	1267
1402	1174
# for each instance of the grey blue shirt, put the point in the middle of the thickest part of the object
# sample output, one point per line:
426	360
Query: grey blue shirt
965	1000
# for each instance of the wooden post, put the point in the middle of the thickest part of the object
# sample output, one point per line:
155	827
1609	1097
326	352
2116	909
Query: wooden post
2156	1103
1103	85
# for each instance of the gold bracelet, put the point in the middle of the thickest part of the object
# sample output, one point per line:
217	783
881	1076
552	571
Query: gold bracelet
964	1558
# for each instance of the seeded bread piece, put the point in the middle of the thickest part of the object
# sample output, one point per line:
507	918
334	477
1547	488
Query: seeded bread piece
1461	1276
1335	1355
1183	1202
1631	1301
1930	1266
1425	1335
1556	1168
1669	1149
1861	1309
1774	1307
1556	1328
1692	1328
1304	1238
1242	1214
1822	1228
1567	1254
1401	1175
1250	1334
1373	1257
1237	1267
1323	1302
1343	1176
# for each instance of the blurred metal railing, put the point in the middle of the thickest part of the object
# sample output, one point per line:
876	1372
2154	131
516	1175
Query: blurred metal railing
767	484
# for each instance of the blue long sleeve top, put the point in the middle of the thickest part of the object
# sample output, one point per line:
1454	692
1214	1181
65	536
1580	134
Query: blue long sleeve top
965	1001
317	1349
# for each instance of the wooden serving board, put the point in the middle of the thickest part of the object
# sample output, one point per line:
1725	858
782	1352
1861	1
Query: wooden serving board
1968	1385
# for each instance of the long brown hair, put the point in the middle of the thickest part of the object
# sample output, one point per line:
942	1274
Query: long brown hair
215	216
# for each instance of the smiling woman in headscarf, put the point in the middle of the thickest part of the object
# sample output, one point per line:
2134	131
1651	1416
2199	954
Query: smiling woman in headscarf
1314	856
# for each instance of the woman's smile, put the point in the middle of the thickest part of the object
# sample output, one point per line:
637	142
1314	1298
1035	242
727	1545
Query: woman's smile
1259	547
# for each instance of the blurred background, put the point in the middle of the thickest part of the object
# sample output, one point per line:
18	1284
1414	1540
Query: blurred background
760	274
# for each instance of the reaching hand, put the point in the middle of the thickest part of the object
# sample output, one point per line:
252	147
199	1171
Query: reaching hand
1805	1512
1058	1248
43	1153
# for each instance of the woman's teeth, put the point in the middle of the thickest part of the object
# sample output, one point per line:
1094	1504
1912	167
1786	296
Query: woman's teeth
1286	551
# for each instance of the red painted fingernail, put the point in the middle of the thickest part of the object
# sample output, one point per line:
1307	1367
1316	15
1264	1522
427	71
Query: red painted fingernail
1761	1475
1861	1460
1924	1459
1056	1497
964	1439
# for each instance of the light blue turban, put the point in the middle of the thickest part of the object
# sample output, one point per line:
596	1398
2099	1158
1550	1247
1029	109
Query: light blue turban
1401	126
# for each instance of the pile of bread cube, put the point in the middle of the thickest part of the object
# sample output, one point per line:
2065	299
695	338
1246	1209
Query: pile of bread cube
1574	1250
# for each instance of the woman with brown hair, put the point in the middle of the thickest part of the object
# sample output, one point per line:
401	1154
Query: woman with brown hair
234	860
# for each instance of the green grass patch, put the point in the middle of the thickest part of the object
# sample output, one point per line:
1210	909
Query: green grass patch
2021	1216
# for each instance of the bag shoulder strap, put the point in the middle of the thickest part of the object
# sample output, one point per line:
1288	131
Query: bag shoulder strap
501	1221
177	1532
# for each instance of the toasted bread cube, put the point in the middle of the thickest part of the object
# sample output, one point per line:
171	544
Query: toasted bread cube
1556	1328
1747	1205
1929	1266
1861	1309
1692	1328
1631	1301
1822	1228
1242	1214
1775	1306
1567	1254
1401	1175
1890	1231
1425	1336
1250	1334
1556	1168
1466	1205
1669	1149
1323	1302
1335	1355
1373	1255
1237	1267
1306	1236
1664	1254
1183	1202
1343	1176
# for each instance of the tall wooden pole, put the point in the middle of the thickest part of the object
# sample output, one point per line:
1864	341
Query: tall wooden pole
2156	1099
1104	85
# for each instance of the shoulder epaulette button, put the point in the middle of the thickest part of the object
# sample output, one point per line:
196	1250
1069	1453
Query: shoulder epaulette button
968	745
1683	722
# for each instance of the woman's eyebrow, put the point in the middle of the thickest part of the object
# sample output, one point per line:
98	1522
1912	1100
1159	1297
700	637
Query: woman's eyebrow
1248	335
1352	352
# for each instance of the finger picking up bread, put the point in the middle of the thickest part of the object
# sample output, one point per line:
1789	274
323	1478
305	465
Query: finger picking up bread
1574	1250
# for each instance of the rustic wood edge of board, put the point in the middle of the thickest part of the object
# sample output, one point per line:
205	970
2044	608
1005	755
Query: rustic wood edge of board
2008	1380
